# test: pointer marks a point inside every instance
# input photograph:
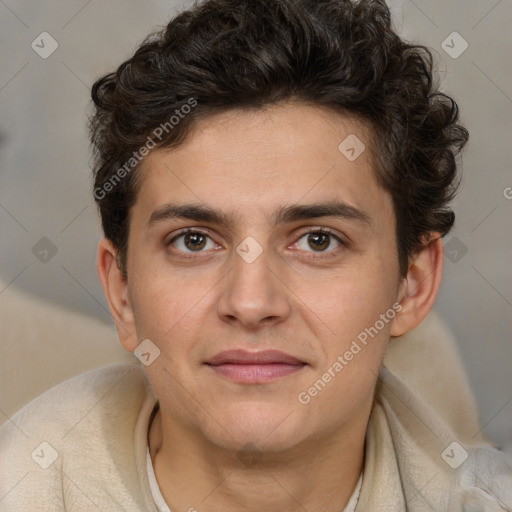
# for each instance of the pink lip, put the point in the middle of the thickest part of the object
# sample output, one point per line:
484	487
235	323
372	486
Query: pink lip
254	367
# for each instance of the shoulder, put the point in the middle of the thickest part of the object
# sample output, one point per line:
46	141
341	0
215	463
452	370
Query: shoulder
428	455
83	426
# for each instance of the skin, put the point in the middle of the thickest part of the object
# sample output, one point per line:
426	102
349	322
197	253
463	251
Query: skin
218	445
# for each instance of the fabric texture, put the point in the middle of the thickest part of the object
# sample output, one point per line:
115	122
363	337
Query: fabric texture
159	500
83	446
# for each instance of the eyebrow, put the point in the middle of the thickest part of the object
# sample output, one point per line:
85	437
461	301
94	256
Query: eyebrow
291	213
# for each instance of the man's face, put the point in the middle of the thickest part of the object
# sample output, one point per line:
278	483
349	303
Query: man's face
307	295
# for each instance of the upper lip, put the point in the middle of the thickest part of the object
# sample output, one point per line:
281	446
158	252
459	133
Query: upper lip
240	356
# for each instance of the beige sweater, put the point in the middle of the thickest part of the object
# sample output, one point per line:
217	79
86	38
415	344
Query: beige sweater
81	446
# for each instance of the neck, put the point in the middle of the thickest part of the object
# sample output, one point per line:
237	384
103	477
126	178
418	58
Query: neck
315	476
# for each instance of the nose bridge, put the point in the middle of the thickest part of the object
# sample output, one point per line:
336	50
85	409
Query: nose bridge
251	278
252	292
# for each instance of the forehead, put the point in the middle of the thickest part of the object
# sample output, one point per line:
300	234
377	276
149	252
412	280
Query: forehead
250	162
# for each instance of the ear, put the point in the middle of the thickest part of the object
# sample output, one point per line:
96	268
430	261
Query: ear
419	287
115	288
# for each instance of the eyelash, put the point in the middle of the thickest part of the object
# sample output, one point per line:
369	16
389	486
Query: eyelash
315	255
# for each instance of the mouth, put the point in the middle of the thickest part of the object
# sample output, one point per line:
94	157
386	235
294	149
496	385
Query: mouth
254	367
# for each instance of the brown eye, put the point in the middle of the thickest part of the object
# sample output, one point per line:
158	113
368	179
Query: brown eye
195	241
192	241
318	241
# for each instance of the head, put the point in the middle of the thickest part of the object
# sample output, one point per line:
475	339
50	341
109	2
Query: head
270	120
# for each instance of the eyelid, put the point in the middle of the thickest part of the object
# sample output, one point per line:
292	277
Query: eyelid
343	239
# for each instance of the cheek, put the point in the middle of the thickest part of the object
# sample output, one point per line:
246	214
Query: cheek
354	344
344	303
170	312
343	381
166	304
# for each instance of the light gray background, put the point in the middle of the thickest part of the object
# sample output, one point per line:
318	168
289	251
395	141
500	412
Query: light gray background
45	178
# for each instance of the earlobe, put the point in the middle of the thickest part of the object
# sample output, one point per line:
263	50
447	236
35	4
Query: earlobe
115	288
420	286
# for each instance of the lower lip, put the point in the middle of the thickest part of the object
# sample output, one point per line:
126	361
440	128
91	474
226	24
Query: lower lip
256	373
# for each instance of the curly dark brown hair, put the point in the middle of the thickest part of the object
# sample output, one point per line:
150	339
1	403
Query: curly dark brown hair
226	54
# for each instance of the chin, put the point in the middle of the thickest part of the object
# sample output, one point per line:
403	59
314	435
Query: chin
259	427
255	442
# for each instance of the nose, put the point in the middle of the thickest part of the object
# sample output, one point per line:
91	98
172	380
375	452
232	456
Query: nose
253	293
